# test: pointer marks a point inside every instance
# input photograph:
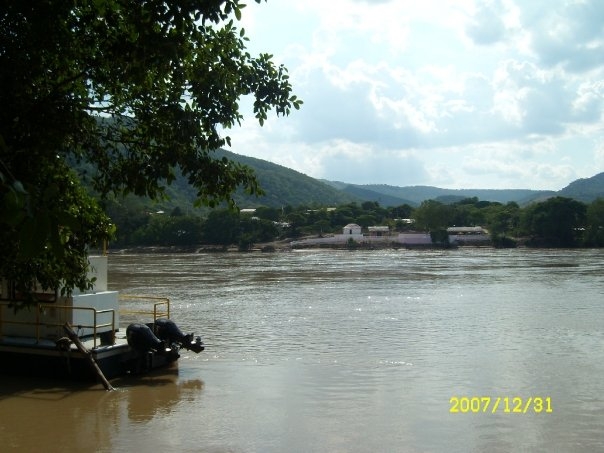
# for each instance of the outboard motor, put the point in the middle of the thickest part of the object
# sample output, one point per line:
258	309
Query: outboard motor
142	338
168	331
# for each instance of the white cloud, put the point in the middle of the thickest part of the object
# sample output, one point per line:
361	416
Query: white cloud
570	34
453	93
487	25
340	159
599	155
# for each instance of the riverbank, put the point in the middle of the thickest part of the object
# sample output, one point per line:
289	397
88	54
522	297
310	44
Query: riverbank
289	244
273	246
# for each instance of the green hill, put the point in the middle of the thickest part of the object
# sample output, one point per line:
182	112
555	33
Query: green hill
414	195
585	189
417	194
384	199
284	186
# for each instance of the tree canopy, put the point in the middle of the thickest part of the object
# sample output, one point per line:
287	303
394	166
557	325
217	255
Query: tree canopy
556	221
136	88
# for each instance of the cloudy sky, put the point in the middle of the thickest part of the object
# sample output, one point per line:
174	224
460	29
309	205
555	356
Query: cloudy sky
455	94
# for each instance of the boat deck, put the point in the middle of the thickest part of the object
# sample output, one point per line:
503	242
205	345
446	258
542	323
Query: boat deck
43	344
66	335
26	355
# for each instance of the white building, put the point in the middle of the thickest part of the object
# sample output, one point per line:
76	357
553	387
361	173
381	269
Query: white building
379	230
352	229
468	235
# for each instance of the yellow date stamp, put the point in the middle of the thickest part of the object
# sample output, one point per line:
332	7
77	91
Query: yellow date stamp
505	404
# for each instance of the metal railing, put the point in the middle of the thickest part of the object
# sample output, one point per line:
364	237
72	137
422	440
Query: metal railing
161	306
37	323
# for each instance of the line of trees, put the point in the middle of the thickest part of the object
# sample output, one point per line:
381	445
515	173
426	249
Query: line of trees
556	222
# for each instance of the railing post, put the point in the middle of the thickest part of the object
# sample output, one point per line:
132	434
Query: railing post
38	308
94	328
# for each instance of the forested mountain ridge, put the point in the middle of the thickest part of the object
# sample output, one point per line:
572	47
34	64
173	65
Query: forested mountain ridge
414	195
295	205
585	189
286	187
282	187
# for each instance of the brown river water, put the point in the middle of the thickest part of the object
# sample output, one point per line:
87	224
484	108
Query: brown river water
466	350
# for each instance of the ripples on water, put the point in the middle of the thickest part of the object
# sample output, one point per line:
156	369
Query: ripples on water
361	351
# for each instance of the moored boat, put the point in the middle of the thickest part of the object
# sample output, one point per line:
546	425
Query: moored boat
63	336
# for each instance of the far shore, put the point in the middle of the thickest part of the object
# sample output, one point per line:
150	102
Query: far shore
281	246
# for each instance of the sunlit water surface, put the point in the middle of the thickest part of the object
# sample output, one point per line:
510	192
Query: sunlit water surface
336	351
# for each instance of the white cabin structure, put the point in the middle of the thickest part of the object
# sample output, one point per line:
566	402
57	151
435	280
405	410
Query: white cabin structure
468	235
376	231
95	311
352	229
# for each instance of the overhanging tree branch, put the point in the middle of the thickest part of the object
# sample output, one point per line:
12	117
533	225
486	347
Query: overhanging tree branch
133	88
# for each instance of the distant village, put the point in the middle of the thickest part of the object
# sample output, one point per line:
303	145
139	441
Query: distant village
382	235
368	225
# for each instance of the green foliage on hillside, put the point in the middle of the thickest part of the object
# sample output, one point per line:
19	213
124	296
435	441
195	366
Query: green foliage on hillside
304	206
586	189
415	195
316	213
385	198
283	186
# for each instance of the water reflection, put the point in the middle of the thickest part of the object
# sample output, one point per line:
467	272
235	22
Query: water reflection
36	389
56	416
157	394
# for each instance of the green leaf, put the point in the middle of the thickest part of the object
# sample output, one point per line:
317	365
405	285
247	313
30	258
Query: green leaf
33	236
18	187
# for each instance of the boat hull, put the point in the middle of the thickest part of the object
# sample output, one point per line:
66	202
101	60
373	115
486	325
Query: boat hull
46	360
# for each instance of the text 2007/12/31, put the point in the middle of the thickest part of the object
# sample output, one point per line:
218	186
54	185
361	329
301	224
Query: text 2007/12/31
505	404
